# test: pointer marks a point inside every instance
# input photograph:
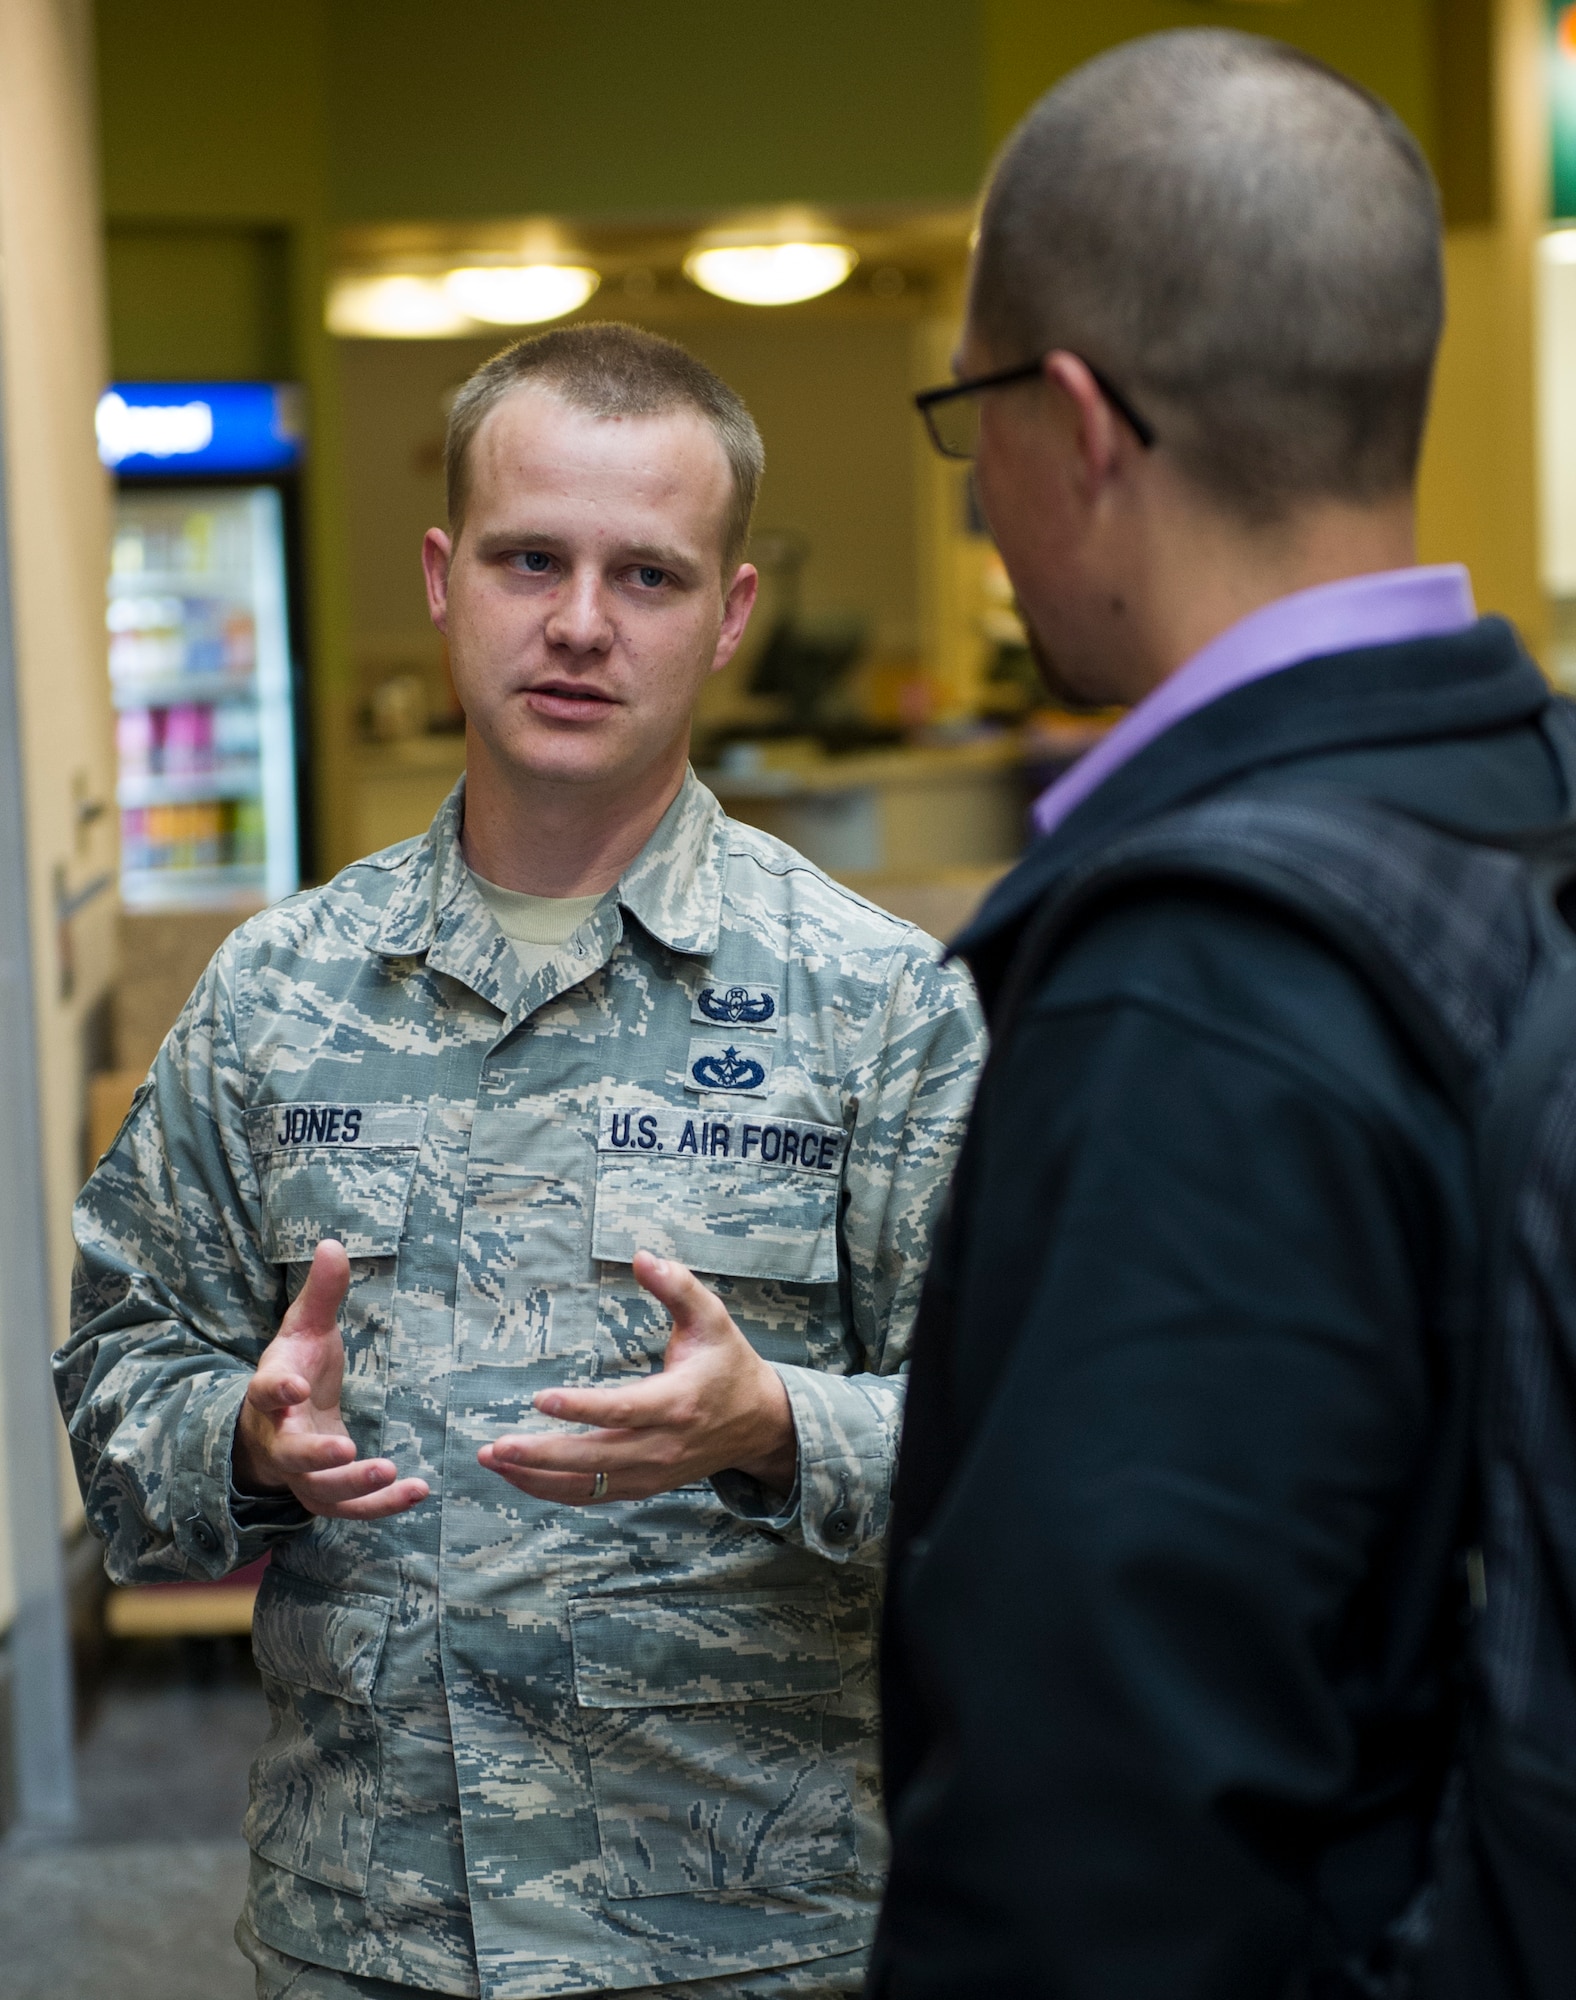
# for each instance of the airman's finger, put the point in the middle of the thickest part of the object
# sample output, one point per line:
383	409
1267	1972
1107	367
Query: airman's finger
676	1286
575	1489
396	1499
317	1304
273	1393
339	1483
583	1453
297	1453
644	1403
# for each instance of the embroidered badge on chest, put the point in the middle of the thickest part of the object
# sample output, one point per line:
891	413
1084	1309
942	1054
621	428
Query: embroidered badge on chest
719	1064
738	1006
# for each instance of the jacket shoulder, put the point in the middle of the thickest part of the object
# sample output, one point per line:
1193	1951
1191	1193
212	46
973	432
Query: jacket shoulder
345	912
767	877
767	873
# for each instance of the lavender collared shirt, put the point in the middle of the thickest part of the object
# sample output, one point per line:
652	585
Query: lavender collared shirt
1378	610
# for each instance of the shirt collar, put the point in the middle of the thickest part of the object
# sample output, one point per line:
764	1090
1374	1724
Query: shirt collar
1381	609
673	886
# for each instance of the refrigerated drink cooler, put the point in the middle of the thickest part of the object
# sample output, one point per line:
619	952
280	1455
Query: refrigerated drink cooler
201	660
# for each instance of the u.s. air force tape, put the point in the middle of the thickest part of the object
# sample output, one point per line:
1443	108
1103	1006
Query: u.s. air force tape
774	1142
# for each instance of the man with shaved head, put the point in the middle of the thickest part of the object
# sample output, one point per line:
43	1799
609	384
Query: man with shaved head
1171	1657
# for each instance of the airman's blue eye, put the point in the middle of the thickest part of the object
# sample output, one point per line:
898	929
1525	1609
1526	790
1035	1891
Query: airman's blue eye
649	576
534	560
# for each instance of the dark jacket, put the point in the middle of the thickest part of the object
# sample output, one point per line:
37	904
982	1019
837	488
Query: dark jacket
1160	1714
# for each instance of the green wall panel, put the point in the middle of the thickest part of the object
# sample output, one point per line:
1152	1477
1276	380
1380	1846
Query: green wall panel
194	302
1388	45
211	111
500	107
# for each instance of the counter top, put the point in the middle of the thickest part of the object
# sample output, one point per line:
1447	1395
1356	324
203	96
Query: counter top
905	766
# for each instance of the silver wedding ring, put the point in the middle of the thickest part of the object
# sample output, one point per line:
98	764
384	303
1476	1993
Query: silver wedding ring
599	1487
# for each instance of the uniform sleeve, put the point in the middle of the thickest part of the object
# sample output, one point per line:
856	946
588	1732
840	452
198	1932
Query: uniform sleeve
172	1305
911	1082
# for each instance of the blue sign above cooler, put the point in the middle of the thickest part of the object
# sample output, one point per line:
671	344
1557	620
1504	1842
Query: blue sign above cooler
199	429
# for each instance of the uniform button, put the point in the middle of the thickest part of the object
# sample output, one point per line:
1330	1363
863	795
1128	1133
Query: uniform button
204	1537
838	1525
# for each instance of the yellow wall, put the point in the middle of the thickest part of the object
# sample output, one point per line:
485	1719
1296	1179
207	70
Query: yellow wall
52	343
1478	499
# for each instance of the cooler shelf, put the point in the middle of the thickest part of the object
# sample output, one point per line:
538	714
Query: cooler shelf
166	789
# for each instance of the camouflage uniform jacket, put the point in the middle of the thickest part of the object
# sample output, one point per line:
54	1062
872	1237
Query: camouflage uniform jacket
520	1748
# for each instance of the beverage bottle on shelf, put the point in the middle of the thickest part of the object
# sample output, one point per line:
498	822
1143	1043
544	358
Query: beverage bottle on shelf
134	838
188	740
159	837
240	641
249	843
204	636
236	727
208	833
135	741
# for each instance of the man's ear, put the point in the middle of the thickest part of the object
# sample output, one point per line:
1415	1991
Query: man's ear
1097	435
437	552
736	608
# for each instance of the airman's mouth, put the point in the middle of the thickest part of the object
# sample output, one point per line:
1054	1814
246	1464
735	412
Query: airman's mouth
568	698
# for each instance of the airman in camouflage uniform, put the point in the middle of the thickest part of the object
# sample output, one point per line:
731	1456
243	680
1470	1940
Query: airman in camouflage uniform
521	1747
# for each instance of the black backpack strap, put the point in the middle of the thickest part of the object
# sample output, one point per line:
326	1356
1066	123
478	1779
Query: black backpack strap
1433	921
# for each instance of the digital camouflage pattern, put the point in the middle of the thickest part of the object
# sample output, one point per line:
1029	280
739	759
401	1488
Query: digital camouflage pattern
519	1748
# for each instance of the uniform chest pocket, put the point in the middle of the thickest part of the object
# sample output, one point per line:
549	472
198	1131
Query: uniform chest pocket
704	1719
752	1196
334	1170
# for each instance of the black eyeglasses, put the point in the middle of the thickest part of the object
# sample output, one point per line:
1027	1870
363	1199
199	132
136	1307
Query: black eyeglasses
952	416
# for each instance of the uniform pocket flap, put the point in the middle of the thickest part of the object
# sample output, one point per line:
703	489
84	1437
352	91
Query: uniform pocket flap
313	1639
340	1170
678	1652
745	1196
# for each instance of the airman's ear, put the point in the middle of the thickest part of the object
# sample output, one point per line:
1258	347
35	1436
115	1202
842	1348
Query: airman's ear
437	552
737	604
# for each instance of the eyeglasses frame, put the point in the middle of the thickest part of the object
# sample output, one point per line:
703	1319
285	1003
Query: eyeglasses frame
927	399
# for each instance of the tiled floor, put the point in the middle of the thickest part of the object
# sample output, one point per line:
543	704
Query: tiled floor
141	1903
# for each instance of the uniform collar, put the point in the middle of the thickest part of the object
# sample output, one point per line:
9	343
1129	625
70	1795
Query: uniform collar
673	888
674	885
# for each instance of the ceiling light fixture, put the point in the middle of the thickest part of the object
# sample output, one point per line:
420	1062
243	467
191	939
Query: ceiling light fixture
769	274
394	308
520	294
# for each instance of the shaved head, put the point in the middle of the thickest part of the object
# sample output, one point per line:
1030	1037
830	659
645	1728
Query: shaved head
1248	245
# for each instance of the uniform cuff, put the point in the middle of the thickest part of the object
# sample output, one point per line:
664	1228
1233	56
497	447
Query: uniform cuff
215	1527
847	1428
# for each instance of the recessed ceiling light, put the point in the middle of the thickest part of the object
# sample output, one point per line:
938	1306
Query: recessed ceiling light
520	294
770	274
394	308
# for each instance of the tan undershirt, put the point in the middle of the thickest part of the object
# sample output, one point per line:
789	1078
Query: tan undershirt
535	925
